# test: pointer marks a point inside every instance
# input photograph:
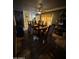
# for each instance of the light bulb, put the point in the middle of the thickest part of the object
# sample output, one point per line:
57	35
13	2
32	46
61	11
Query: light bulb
39	12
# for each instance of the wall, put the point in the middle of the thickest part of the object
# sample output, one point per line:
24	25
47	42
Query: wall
54	15
47	18
57	14
51	17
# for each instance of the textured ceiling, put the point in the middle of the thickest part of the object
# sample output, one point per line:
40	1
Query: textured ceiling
32	4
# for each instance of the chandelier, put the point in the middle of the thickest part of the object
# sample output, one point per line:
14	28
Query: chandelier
39	6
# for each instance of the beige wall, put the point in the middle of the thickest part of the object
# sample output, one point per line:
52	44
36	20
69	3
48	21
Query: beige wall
26	17
47	18
53	16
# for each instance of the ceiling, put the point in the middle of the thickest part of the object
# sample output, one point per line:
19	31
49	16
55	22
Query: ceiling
32	4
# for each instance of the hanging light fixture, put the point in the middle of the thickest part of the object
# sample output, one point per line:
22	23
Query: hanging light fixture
39	6
39	10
